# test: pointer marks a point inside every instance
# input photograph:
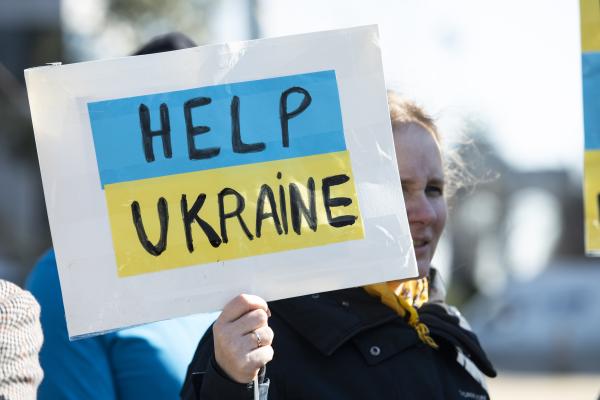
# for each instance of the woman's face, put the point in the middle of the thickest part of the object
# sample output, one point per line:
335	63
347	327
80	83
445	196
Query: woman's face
422	176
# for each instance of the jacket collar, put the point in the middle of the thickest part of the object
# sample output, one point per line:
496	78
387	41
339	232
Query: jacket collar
330	319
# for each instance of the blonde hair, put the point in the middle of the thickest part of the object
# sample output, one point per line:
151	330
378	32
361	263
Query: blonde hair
404	111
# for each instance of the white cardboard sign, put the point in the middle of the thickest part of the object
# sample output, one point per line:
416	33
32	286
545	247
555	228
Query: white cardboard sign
176	181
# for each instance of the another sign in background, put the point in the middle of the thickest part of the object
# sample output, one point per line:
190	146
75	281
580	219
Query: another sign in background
176	181
590	65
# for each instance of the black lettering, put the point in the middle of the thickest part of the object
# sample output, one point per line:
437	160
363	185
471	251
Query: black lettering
265	191
297	206
163	217
241	204
285	116
598	204
236	139
282	206
341	220
191	215
192	131
148	134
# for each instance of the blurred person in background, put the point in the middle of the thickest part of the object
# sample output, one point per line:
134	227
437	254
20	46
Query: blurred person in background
389	340
20	342
144	362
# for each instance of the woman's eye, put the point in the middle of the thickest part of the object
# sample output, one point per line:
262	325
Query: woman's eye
432	190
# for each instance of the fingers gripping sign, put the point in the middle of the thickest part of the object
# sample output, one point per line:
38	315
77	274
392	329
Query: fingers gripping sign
242	338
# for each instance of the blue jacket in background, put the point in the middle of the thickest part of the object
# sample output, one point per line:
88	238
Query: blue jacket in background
144	362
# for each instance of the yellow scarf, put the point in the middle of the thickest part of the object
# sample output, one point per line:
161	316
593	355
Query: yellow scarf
403	297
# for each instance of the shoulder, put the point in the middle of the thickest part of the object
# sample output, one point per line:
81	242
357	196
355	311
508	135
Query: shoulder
44	284
61	358
20	341
462	348
20	317
158	353
17	306
43	280
160	349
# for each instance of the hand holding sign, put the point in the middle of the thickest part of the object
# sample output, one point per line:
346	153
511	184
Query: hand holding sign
242	338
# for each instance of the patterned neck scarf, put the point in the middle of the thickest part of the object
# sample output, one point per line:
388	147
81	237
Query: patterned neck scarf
404	298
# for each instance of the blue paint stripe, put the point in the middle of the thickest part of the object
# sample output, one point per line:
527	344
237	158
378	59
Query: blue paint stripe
590	63
118	139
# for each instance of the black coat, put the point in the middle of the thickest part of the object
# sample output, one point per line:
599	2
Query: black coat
347	345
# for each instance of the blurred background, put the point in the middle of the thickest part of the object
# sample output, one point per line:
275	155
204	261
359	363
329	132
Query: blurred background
502	78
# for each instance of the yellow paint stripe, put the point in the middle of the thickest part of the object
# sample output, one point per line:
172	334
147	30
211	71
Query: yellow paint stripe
133	259
590	25
591	184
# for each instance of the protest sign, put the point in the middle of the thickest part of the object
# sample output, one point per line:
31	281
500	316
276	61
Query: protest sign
590	64
176	181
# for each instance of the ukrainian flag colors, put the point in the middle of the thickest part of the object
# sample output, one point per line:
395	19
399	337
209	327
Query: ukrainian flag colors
120	152
217	173
590	63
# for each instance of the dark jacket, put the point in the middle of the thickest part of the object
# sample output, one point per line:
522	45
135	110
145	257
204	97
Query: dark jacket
347	345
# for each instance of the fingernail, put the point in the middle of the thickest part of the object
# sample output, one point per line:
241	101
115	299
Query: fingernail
269	312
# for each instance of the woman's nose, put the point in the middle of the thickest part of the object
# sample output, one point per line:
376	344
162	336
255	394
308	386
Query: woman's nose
420	210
